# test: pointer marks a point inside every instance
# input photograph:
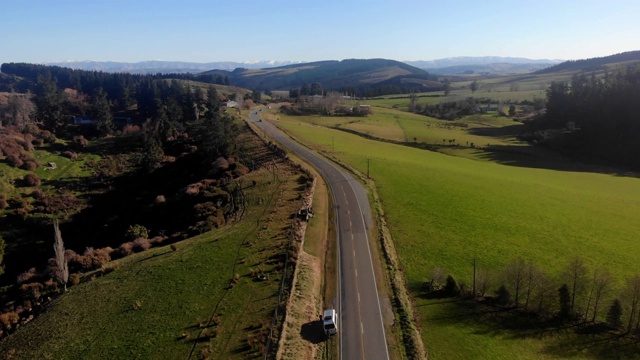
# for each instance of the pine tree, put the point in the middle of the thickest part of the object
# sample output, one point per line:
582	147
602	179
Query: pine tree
614	315
564	297
101	110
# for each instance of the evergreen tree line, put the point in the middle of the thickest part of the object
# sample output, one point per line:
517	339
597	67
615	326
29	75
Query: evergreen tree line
594	117
169	108
579	294
155	96
120	88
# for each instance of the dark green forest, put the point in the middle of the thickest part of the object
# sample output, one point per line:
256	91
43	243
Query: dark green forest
594	117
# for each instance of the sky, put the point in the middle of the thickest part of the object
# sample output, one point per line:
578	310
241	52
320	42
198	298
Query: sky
39	31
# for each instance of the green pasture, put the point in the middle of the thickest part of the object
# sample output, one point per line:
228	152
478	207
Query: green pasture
444	211
517	88
161	304
476	131
433	98
66	170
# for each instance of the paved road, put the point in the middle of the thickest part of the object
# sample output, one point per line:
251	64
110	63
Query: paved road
360	327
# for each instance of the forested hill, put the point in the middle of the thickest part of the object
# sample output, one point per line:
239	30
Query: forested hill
364	77
593	63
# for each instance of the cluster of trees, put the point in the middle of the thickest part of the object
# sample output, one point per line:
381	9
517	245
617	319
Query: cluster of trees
332	104
449	110
594	116
119	87
579	294
306	90
393	86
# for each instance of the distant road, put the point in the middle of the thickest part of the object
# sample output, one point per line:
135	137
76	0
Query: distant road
360	327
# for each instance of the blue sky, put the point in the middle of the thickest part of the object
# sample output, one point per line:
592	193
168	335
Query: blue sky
204	31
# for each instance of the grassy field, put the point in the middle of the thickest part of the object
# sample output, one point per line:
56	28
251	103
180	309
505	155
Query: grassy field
66	170
202	298
444	211
506	89
478	130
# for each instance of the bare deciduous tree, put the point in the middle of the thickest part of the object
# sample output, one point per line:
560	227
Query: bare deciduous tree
576	278
515	274
632	293
62	272
544	293
600	285
532	281
484	281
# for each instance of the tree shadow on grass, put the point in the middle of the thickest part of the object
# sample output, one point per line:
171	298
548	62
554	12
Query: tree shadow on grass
542	158
559	339
313	332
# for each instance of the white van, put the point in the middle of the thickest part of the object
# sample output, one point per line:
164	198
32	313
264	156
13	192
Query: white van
330	321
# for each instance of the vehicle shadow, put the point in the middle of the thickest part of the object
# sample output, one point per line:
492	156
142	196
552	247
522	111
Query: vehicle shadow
313	332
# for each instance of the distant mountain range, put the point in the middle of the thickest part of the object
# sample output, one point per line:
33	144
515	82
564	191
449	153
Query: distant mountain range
454	65
477	60
166	67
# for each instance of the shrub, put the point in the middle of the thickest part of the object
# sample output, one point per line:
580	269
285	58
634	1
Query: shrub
137	231
21	213
32	291
70	155
157	240
9	319
26	276
14	160
47	136
80	141
38	142
141	244
51	285
192	189
3	204
31	179
27	143
75	279
60	203
37	194
221	164
29	165
126	249
98	257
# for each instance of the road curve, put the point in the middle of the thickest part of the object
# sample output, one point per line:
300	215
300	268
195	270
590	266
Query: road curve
360	324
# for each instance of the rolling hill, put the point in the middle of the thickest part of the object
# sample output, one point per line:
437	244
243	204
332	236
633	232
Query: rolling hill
593	64
353	74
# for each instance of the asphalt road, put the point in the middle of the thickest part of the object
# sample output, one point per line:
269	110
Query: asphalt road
360	324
